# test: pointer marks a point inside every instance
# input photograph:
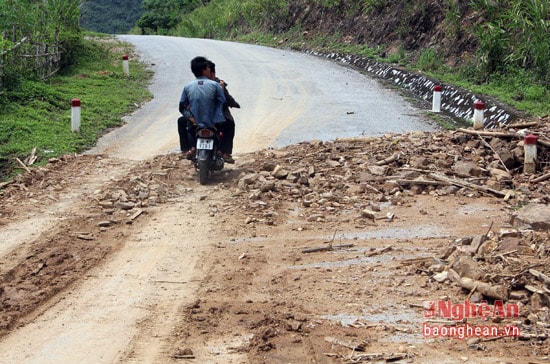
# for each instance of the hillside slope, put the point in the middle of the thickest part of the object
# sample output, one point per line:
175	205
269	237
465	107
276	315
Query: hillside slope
110	16
414	25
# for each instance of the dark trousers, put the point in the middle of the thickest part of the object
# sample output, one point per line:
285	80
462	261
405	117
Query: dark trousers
228	130
186	134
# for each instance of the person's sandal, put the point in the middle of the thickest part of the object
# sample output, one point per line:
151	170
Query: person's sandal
228	159
190	154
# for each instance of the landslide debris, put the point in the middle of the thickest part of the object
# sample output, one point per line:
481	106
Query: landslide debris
323	183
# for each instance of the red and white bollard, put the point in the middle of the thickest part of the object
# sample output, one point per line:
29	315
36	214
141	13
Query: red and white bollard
436	101
125	66
530	149
75	115
478	114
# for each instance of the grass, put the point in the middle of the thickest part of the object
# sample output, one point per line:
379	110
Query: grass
38	115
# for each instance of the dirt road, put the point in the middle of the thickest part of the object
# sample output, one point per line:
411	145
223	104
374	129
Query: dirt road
120	255
126	297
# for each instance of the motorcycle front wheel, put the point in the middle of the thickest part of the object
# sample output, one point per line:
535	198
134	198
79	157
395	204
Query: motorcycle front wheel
204	171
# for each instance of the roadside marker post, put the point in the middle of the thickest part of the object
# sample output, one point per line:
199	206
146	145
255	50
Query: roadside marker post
530	156
479	107
75	115
436	101
125	65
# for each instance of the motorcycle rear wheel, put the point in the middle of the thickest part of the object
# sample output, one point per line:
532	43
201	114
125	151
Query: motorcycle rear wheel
204	171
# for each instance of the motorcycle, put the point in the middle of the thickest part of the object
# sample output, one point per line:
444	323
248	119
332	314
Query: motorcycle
207	158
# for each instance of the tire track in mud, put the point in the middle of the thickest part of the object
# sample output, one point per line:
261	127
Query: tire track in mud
93	281
49	232
86	200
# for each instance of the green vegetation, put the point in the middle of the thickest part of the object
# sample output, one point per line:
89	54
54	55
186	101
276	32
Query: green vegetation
37	114
37	38
110	16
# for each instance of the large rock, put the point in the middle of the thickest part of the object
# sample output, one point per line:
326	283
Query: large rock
535	216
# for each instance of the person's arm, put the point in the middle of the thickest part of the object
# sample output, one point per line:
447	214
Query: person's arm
188	116
184	102
231	102
220	100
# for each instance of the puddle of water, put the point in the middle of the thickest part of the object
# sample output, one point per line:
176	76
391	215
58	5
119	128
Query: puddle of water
405	319
409	253
228	345
473	208
346	263
419	232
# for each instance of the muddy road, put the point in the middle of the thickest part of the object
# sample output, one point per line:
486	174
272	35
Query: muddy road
119	255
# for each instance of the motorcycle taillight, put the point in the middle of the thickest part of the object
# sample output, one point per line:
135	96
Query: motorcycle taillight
205	133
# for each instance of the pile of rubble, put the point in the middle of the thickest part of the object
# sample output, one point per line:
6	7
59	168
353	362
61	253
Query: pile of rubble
347	180
349	177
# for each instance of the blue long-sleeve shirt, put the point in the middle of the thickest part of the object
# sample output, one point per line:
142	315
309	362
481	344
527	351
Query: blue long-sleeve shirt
205	99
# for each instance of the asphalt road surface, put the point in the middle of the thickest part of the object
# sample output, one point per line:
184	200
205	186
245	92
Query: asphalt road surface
286	97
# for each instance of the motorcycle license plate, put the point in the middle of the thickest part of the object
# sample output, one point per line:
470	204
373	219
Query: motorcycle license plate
205	143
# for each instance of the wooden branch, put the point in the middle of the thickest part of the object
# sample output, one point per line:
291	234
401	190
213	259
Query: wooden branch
488	133
134	216
15	46
4	184
372	188
23	165
387	358
327	248
534	289
416	260
541	336
378	252
521	125
461	183
388	160
498	134
494	151
419	182
499	291
29	161
541	276
542	178
346	343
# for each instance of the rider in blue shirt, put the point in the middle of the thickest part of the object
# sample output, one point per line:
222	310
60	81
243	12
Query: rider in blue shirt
202	97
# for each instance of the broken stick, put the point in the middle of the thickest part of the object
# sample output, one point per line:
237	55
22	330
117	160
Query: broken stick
346	343
327	248
542	178
388	160
23	165
462	183
498	291
488	133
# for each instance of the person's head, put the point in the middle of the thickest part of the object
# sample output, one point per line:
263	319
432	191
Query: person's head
199	65
212	67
